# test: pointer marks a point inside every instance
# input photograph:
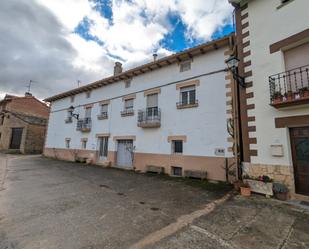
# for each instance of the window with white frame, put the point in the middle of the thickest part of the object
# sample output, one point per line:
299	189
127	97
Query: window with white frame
84	144
128	104
152	105
185	66
177	146
67	143
188	95
104	109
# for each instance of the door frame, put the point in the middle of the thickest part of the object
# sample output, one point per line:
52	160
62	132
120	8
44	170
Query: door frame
102	159
11	138
293	154
132	154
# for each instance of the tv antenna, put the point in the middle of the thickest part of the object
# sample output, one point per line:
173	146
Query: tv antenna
29	86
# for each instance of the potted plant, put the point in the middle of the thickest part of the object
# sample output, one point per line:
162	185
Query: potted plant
245	190
262	184
277	97
281	191
289	95
304	92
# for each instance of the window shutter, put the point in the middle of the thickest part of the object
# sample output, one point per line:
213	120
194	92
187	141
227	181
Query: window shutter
152	100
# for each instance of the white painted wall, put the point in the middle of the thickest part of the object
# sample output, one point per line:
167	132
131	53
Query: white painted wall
205	126
267	25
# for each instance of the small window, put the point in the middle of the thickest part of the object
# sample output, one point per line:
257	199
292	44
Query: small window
127	83
188	95
88	112
176	171
104	109
128	104
185	66
67	143
84	144
177	146
88	94
72	99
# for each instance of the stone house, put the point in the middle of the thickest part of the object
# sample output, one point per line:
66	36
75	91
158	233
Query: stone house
273	52
23	122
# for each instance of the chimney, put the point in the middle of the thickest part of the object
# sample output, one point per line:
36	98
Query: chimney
155	56
28	94
117	68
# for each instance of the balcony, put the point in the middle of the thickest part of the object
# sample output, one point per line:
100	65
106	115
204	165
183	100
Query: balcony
289	88
149	118
127	112
102	116
186	104
84	125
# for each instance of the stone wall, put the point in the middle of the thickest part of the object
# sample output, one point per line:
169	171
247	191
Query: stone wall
35	138
279	173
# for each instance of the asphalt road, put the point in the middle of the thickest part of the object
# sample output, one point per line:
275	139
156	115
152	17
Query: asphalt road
52	204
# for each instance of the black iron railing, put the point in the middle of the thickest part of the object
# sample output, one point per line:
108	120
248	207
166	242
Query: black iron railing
83	124
103	115
187	103
288	86
151	115
127	112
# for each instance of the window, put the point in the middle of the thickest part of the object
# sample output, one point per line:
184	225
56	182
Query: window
185	66
177	146
88	94
84	144
103	147
152	105
88	112
67	143
104	109
176	171
127	83
187	95
72	99
128	104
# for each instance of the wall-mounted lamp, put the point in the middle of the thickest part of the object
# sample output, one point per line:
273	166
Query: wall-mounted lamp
232	64
71	110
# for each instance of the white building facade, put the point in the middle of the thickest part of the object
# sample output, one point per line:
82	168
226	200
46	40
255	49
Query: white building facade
168	115
273	48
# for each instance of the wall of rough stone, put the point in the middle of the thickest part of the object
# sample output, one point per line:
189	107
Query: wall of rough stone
35	138
279	173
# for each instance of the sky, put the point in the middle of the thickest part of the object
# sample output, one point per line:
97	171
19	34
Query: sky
56	43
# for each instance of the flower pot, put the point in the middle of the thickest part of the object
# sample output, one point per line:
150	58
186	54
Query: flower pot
277	100
260	187
281	196
245	191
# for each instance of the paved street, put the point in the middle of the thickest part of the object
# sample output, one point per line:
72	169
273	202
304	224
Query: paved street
49	204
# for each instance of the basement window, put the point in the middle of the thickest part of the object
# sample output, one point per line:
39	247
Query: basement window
84	144
176	171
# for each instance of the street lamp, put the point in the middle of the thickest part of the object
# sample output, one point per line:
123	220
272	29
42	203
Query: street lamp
232	64
71	110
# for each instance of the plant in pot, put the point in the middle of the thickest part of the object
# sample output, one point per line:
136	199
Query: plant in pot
261	184
245	190
288	95
304	92
277	97
281	191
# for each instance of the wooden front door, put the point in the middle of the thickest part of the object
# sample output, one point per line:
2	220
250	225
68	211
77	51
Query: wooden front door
16	138
300	153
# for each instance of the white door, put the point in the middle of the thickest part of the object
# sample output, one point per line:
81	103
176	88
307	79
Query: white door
124	153
103	148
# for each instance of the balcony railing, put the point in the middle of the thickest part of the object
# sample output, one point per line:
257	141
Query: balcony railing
187	104
84	125
127	112
103	115
149	117
290	87
68	120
